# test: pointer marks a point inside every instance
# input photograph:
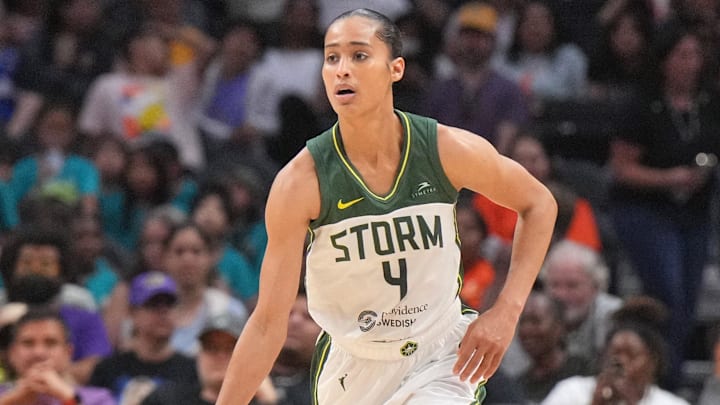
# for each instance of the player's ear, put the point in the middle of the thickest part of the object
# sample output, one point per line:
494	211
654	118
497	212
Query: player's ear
397	68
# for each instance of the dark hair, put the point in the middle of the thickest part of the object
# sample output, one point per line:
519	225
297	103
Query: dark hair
477	217
388	32
666	40
213	273
647	318
605	64
34	235
162	191
175	230
555	41
37	314
215	188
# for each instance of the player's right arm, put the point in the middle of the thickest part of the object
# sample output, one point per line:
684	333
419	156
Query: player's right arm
293	201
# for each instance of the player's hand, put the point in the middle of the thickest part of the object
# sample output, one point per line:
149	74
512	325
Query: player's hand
485	342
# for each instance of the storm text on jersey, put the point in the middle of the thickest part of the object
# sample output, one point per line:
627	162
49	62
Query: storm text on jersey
388	237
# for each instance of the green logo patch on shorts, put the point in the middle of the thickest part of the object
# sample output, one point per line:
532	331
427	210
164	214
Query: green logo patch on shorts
408	348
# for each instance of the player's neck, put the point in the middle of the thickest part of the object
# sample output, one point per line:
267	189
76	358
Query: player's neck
370	130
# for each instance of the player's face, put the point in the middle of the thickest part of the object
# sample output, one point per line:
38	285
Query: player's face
358	69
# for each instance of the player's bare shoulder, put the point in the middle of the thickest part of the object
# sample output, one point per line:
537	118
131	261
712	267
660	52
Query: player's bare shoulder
296	186
463	154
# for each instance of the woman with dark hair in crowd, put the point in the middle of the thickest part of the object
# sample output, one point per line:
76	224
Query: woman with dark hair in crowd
144	186
539	61
621	61
634	361
663	181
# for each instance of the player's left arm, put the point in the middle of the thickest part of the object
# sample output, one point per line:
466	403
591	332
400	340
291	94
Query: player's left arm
472	162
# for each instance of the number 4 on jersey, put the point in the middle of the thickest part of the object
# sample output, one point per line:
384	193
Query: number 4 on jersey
401	280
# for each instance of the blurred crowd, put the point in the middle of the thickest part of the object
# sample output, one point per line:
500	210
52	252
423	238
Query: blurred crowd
139	139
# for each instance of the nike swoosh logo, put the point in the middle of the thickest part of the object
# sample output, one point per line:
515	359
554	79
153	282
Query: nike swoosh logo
342	205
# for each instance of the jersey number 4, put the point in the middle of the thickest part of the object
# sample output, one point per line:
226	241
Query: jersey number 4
401	280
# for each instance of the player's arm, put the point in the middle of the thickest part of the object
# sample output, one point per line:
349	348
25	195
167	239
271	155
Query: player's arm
294	199
471	162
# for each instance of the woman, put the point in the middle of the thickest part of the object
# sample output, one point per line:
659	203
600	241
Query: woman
660	199
187	259
633	362
621	60
539	62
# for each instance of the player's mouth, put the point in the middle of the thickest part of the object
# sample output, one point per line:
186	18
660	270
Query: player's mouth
344	94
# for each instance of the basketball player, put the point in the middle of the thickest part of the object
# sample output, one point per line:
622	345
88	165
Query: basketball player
377	192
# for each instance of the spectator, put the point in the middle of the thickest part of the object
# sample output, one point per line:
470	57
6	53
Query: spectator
542	65
182	186
225	86
288	69
577	277
109	154
150	360
154	233
34	267
149	95
186	258
62	60
40	353
9	154
92	269
702	18
477	97
663	182
247	195
55	170
9	57
144	186
480	284
576	218
620	63
212	214
541	332
217	340
508	11
633	361
291	372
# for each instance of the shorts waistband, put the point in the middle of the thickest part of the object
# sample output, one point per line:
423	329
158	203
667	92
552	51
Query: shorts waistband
406	347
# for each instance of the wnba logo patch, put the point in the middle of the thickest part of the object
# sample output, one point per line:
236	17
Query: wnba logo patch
366	320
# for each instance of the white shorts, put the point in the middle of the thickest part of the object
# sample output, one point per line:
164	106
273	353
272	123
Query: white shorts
423	378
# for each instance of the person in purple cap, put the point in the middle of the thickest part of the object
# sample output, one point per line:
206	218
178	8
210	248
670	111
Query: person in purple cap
40	353
150	360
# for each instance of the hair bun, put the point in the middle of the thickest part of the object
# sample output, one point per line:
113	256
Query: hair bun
642	309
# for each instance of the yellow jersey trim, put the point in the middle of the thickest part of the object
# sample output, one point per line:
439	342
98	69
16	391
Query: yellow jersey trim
403	165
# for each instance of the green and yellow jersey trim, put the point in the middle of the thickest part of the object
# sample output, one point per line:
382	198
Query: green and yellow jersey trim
356	175
318	362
